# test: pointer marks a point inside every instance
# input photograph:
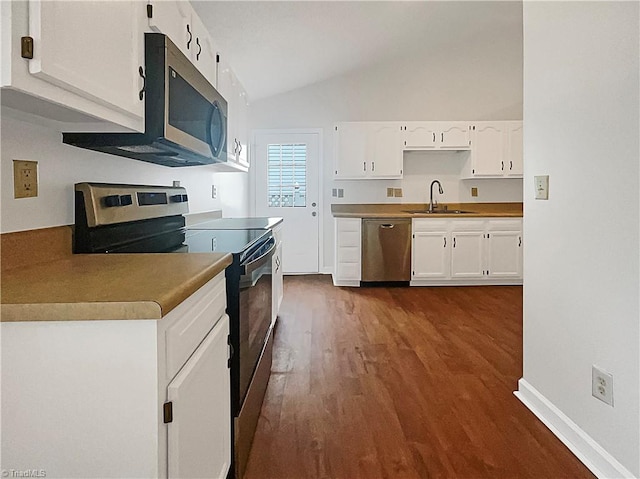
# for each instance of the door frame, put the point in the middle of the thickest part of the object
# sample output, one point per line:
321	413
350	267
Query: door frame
252	178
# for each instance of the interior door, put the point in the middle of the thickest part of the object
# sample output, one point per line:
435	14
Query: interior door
286	185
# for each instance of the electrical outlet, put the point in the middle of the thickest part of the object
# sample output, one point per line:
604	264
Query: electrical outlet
334	192
214	192
542	187
474	191
389	192
340	193
602	385
25	179
397	192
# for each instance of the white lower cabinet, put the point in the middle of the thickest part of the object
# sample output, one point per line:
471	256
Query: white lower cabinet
125	398
431	250
466	251
467	245
347	262
276	271
504	250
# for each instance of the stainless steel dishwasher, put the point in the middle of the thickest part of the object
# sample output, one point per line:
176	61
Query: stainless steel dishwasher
386	250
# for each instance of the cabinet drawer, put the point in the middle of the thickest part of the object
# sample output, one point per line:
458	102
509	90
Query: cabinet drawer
344	225
191	321
349	254
348	271
430	225
468	225
349	239
505	225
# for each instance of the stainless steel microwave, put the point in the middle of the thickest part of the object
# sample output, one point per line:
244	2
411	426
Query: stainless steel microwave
185	117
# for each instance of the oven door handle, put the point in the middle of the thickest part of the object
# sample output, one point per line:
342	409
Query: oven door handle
260	261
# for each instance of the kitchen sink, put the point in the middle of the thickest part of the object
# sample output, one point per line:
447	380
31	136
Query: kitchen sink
440	212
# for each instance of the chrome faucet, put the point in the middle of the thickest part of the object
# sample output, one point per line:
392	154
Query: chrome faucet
432	204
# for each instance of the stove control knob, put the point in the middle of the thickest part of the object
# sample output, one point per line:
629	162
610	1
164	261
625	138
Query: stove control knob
179	198
126	200
111	201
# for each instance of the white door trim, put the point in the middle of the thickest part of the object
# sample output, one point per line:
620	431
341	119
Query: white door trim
321	207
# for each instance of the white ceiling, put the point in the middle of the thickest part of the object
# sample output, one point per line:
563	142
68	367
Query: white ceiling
275	47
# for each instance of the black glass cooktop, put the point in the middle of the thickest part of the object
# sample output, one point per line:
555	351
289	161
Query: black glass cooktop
224	241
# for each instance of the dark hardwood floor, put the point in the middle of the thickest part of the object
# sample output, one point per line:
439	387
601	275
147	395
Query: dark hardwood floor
400	383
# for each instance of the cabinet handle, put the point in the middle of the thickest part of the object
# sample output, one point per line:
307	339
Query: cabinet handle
144	83
199	48
373	166
445	241
519	241
364	165
441	137
510	165
190	37
502	163
454	241
434	136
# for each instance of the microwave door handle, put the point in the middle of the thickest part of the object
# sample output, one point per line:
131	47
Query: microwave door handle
261	260
222	138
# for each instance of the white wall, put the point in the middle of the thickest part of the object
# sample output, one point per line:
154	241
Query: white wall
475	81
60	166
581	261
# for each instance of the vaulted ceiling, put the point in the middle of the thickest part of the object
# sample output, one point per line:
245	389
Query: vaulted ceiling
279	46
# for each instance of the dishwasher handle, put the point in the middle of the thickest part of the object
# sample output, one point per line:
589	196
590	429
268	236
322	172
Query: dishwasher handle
387	226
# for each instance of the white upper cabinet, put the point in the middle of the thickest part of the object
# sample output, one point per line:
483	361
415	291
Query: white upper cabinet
496	150
368	150
514	150
237	119
85	57
183	26
454	135
173	19
488	152
433	135
420	135
384	144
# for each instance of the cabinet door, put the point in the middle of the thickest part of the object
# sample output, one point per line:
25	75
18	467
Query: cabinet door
487	149
227	87
514	164
92	49
199	437
278	286
430	255
203	51
467	254
420	136
242	127
173	18
453	136
504	254
384	149
350	150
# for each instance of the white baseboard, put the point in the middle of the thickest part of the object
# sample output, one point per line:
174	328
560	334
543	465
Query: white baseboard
592	455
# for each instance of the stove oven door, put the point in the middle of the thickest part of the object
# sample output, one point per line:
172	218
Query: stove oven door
255	312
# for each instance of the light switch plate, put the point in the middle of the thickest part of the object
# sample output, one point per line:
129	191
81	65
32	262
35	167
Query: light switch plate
542	187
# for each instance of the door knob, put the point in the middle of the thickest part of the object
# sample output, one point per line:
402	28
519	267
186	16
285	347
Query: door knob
314	213
313	204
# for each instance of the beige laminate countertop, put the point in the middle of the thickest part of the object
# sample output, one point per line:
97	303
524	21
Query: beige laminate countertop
103	286
399	210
